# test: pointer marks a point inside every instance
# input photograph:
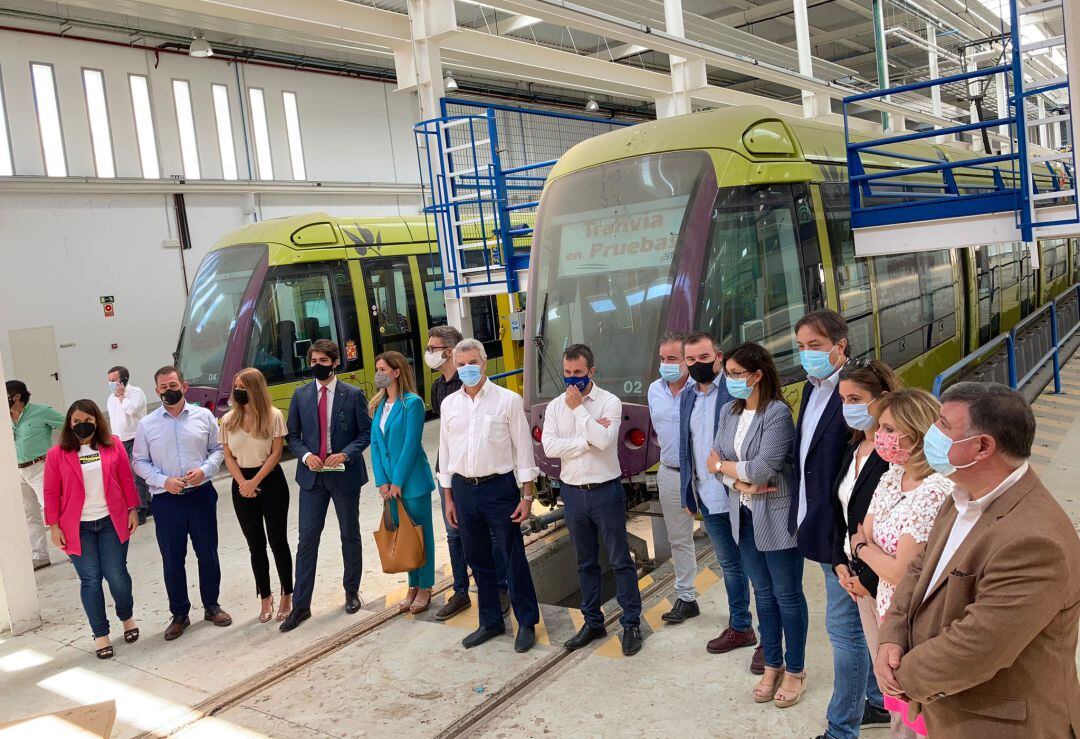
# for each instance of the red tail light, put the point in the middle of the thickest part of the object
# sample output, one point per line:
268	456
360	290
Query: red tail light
210	406
537	433
635	438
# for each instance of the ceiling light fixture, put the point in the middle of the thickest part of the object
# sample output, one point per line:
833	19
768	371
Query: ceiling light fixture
449	83
200	47
592	106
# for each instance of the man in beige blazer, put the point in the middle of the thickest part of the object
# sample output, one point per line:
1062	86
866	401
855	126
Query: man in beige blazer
981	635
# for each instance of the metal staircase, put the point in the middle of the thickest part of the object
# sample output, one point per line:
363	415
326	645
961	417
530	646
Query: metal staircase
907	198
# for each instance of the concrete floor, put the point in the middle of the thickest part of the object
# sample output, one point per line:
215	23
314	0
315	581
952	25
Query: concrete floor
411	677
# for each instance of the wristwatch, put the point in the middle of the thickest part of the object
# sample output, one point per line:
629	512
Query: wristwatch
858	548
718	467
528	498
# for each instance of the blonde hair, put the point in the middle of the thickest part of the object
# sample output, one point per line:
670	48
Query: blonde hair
405	381
258	406
914	411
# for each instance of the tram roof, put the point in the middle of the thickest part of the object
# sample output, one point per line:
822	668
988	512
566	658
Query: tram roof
321	229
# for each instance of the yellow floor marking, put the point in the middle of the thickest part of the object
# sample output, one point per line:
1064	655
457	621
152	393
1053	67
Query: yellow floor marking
576	617
645	582
612	648
705	580
396	595
466	619
541	629
653	615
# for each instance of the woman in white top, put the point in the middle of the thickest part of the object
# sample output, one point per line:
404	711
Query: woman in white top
253	434
91	506
905	504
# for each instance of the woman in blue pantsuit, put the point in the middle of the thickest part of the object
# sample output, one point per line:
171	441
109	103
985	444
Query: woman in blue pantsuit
400	465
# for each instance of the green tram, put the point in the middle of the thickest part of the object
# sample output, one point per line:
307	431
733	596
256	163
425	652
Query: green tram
266	291
737	221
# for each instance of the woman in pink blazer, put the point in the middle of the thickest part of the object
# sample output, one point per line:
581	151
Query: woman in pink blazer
91	508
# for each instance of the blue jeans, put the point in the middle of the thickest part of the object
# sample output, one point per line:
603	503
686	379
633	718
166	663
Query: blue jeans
781	605
457	557
718	526
314	503
484	513
103	556
590	514
853	677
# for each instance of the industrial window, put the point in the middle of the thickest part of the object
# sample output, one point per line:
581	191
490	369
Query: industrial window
97	111
916	303
1055	258
292	128
7	167
262	134
223	119
185	121
144	126
852	275
48	115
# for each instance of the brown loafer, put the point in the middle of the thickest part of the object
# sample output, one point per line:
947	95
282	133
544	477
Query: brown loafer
217	617
177	627
757	662
731	639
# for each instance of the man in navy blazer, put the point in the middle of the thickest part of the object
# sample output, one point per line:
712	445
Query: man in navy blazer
329	429
699	415
821	438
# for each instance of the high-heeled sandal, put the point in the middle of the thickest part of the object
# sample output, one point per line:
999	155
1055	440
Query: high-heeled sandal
405	603
421	602
283	611
131	635
266	613
105	652
787	698
764	691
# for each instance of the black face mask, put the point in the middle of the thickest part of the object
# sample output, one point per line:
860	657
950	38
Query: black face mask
84	430
322	371
10	402
240	396
171	397
702	372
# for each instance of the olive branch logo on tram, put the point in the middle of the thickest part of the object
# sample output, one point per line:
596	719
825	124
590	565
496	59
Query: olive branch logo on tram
734	221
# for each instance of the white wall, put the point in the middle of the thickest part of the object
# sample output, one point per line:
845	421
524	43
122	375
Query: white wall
63	249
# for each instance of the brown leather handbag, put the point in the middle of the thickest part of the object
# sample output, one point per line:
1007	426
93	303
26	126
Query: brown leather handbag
401	547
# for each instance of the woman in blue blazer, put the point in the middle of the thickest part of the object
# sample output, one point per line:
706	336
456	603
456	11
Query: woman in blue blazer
400	465
752	450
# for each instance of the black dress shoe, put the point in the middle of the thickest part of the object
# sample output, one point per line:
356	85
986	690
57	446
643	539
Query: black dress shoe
631	640
682	610
297	617
480	636
584	636
352	602
874	716
525	639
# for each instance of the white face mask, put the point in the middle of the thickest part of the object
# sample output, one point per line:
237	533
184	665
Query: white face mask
435	360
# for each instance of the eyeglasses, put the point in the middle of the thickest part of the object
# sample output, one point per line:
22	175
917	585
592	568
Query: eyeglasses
860	362
737	375
437	348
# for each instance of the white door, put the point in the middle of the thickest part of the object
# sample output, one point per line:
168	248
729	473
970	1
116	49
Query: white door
36	364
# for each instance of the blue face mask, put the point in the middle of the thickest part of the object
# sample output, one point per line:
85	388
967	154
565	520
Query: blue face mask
738	388
937	447
671	372
857	416
113	386
579	382
470	374
816	363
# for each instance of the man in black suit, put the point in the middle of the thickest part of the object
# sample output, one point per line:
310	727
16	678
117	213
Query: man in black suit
329	429
821	439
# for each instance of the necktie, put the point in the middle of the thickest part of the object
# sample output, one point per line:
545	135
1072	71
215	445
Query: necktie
322	422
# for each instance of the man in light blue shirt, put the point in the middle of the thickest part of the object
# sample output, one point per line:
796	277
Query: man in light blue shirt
664	410
699	415
177	452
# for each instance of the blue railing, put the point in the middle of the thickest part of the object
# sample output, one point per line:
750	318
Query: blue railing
1029	347
501	375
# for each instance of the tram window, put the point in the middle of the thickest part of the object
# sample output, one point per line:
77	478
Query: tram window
431	276
351	357
753	287
485	324
295	309
916	303
852	274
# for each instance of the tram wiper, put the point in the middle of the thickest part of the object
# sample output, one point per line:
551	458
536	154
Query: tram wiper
539	341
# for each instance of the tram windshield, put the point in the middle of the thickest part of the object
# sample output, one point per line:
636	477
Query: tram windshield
211	311
608	244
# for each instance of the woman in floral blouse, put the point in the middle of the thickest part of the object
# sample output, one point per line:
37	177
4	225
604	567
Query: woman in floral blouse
902	512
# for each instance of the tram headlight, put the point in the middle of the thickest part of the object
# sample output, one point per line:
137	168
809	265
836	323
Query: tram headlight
635	438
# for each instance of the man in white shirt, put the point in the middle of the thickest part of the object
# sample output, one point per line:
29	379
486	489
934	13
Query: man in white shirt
581	429
664	396
127	406
982	631
485	454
